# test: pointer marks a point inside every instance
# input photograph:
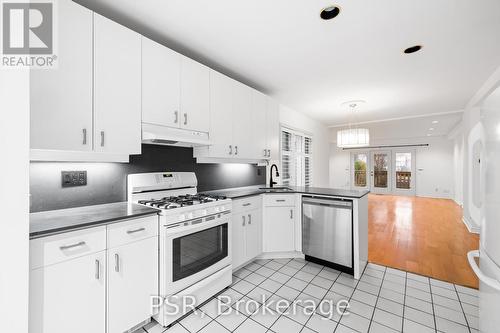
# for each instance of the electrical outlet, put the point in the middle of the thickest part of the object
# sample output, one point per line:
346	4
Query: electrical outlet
73	178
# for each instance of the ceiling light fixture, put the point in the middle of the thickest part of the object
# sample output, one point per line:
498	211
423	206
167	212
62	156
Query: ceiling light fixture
413	49
329	12
353	137
435	121
431	129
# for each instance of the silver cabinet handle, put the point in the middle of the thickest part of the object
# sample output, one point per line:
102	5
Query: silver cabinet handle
176	120
291	213
185	118
230	150
136	230
84	136
249	219
235	150
97	269
246	204
280	200
67	247
102	138
243	220
117	262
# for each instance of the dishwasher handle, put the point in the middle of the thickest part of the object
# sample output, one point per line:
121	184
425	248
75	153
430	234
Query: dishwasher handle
327	202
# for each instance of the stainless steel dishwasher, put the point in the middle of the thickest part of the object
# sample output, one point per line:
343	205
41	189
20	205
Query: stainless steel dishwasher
327	227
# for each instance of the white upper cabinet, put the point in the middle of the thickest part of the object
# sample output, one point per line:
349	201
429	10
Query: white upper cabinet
272	129
259	129
117	87
221	115
161	84
242	120
61	99
195	96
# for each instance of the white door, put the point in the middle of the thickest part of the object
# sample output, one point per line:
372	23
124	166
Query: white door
380	173
161	84
221	119
253	234
360	168
279	229
239	222
403	172
132	280
61	98
69	296
242	118
273	129
195	95
117	88
258	125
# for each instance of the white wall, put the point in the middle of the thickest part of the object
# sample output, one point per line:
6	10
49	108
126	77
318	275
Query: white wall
434	165
458	168
14	200
320	134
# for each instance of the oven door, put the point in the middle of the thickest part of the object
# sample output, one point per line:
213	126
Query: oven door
196	249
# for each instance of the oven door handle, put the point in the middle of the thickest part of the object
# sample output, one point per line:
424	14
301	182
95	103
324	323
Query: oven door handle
179	231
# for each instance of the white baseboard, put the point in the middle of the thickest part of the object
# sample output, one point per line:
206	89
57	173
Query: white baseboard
281	255
471	226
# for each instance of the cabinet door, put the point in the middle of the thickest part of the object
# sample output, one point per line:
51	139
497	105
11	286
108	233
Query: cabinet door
253	234
259	126
221	115
69	296
273	129
61	98
132	280
279	229
117	88
195	97
161	70
238	240
242	118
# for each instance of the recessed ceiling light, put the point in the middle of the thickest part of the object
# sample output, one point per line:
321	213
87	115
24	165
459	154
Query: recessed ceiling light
431	129
329	12
429	134
435	121
413	49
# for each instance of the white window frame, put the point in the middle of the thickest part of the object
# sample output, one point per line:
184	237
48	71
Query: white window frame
297	158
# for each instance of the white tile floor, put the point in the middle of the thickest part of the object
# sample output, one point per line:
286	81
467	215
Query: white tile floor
383	300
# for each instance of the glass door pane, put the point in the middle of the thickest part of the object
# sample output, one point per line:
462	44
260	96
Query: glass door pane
381	161
359	170
404	172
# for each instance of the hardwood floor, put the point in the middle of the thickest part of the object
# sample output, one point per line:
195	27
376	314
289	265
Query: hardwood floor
421	235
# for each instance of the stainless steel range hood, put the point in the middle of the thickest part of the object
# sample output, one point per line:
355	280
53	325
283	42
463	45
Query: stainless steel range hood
169	136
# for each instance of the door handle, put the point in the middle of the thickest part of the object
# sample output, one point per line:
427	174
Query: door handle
249	219
243	220
97	269
230	150
84	136
235	150
493	283
185	118
176	120
102	138
117	262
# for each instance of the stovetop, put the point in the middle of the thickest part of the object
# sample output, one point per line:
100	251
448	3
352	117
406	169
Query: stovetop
185	200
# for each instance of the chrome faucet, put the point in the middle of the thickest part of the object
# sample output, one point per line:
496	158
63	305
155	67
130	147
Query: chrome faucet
272	183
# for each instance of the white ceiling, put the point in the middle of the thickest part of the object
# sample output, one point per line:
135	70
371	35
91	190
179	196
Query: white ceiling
408	129
283	48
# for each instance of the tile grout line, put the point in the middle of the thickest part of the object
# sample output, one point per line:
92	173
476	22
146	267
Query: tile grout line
461	307
433	311
376	302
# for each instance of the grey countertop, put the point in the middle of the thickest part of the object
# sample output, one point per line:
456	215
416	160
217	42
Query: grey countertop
64	220
240	192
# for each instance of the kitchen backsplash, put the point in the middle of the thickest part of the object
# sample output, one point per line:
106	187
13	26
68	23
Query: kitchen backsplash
107	182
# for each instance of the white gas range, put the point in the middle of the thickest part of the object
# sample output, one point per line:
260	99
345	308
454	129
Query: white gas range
195	237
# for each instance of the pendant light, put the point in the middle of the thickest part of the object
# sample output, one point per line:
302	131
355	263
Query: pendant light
353	137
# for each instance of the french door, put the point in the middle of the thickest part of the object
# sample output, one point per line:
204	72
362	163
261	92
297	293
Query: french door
403	176
380	172
360	166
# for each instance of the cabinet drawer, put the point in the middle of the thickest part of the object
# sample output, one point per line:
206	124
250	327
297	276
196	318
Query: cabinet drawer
132	230
54	249
244	204
273	200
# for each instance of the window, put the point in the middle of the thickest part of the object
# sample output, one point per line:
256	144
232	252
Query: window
296	158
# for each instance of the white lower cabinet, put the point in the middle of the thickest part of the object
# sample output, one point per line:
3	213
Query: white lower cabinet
132	280
279	223
72	273
247	230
